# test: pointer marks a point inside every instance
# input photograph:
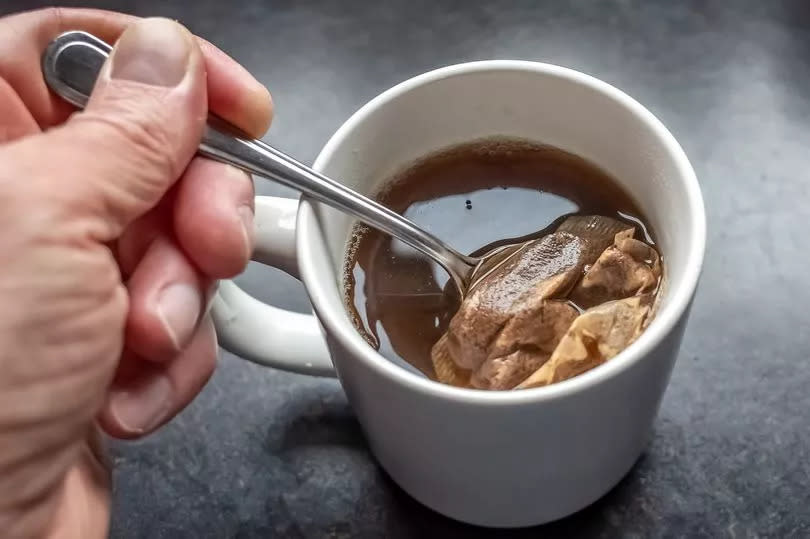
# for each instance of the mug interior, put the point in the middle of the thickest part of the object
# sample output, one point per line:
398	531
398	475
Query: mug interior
538	102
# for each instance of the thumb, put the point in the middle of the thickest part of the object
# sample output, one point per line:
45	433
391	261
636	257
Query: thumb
139	130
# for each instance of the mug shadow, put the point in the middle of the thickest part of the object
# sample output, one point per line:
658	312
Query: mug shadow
318	418
333	428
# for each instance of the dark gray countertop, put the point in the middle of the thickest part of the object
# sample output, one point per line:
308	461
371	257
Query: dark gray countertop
268	454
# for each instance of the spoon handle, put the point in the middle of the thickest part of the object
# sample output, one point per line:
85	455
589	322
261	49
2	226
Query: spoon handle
71	64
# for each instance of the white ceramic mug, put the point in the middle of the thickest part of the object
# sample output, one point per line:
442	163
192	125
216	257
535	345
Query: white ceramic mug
504	459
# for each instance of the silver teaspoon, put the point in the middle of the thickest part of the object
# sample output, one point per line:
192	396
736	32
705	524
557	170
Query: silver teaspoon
71	64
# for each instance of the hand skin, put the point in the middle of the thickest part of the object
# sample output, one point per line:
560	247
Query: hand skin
112	237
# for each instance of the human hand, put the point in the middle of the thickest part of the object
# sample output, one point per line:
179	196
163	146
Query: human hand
113	235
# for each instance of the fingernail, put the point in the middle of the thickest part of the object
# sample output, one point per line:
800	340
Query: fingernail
143	408
246	214
152	51
179	307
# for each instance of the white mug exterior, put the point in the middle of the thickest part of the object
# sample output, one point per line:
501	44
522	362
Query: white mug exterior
503	459
259	332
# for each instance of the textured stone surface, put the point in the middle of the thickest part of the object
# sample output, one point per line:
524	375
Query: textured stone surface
268	454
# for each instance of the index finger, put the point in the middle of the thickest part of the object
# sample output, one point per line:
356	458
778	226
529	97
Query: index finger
233	93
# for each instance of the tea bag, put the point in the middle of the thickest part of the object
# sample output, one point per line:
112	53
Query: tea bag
596	336
619	290
445	369
513	318
525	344
627	268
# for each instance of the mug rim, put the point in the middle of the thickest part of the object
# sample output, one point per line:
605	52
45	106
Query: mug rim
338	325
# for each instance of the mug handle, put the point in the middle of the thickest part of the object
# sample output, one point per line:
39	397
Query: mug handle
261	333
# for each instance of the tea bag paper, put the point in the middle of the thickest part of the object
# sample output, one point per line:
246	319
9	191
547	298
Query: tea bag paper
515	316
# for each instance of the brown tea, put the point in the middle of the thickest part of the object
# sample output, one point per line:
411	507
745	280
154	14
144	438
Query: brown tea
475	197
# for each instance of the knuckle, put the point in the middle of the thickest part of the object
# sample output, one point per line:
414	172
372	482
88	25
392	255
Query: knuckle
54	15
137	120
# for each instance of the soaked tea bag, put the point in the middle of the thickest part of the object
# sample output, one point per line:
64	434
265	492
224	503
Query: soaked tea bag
627	268
596	336
525	344
515	315
445	369
619	290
